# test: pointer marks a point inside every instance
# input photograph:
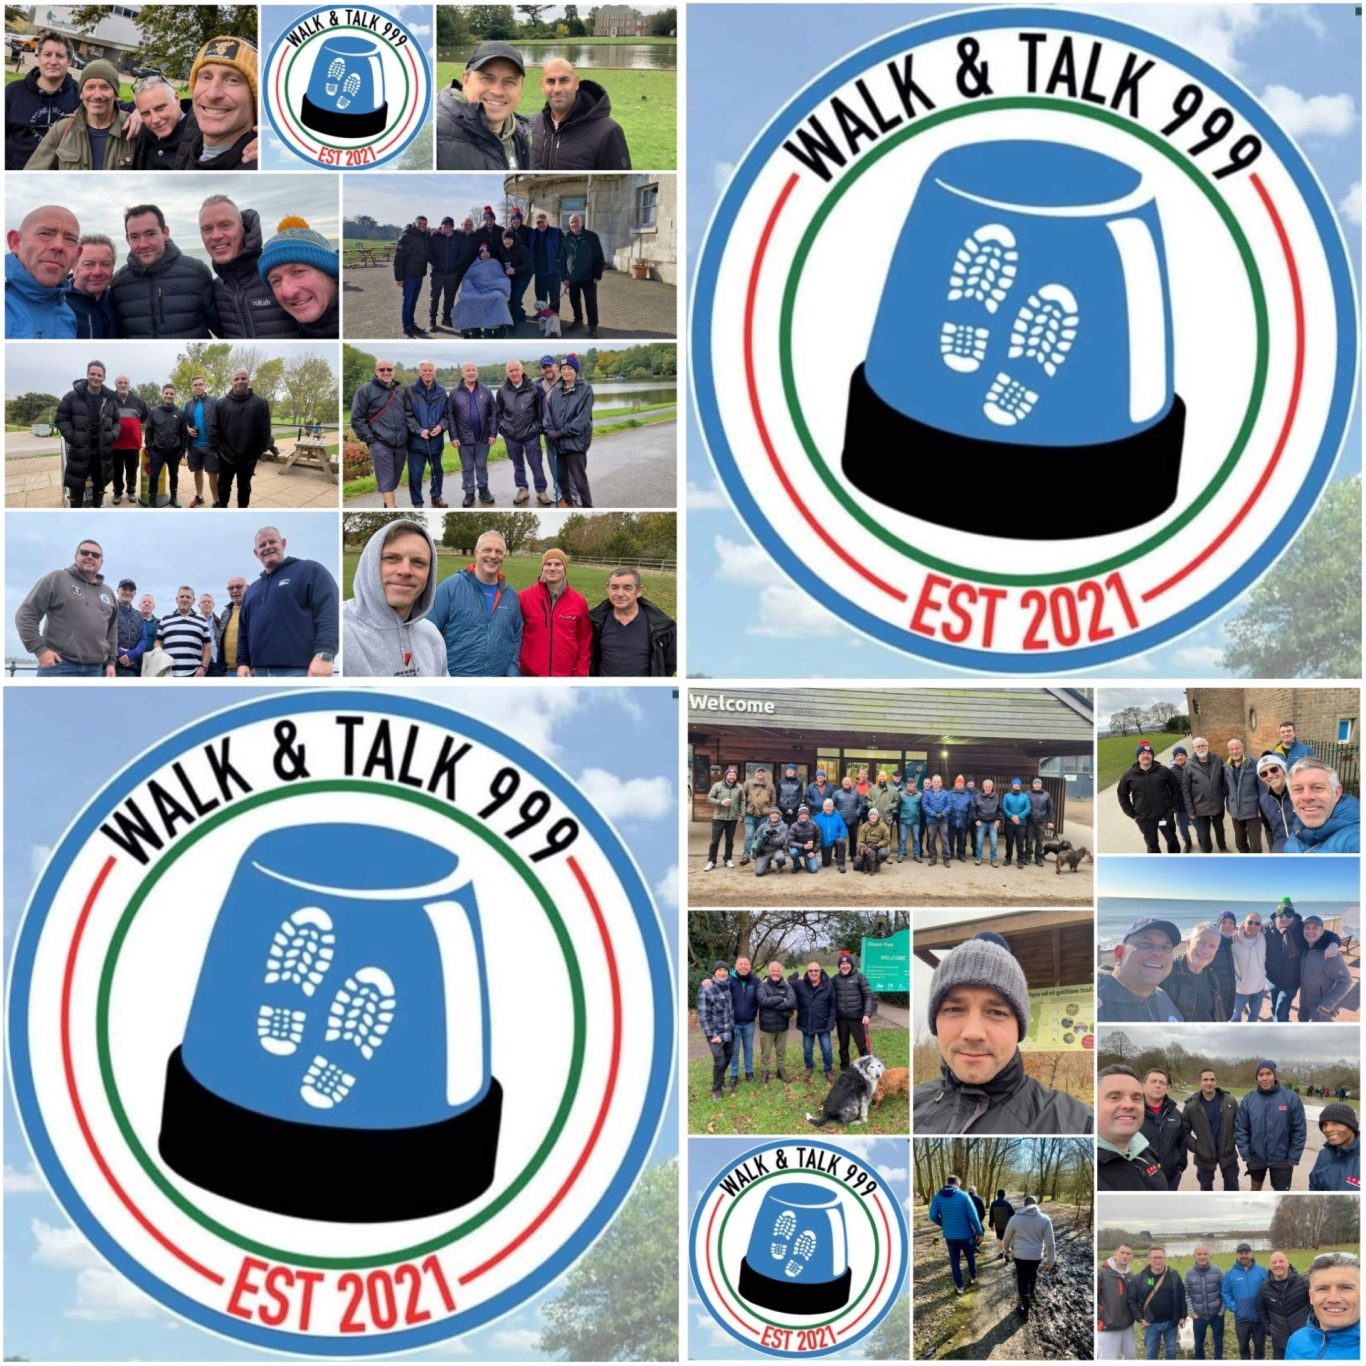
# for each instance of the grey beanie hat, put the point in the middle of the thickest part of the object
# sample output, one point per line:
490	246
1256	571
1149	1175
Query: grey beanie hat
983	961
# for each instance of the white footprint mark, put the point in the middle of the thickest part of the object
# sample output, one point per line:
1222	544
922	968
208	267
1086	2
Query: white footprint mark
1045	328
362	1011
349	88
334	74
985	266
1008	402
325	1084
280	1029
302	950
801	1254
783	1228
963	346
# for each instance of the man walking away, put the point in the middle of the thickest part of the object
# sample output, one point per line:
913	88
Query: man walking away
1029	1241
957	1219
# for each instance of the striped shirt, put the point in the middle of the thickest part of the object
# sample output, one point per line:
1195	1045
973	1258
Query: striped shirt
184	638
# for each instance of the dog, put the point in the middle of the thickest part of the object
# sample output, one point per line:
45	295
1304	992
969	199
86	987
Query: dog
547	319
850	1095
895	1081
1056	847
1073	858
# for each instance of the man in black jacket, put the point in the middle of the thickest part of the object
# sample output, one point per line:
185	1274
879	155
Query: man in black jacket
45	96
1162	1126
1157	1299
517	263
166	435
777	1001
575	130
247	306
1123	1161
581	266
978	1013
477	126
88	419
1208	1118
1149	795
411	258
853	1007
1282	1303
632	638
240	433
449	253
789	793
222	107
160	292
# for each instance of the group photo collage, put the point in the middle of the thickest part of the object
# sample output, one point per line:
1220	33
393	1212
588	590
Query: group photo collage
773	766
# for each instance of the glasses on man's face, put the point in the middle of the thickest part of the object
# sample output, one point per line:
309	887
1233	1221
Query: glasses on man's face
384	369
90	555
1256	924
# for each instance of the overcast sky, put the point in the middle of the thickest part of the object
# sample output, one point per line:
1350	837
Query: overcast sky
98	201
1195	1214
399	197
1111	700
1286	1048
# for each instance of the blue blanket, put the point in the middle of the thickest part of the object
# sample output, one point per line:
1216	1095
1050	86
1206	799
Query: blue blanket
484	294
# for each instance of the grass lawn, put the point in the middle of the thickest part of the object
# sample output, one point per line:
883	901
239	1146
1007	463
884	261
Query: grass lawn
780	1108
594	42
1115	753
521	571
644	103
125	90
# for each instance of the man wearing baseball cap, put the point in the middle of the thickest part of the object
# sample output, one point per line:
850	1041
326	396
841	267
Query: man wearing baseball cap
1325	979
1339	1162
1149	794
1133	993
477	124
131	639
978	1013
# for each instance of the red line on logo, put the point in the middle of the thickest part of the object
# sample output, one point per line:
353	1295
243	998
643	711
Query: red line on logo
69	1068
407	52
280	104
614	980
886	1268
753	388
1290	412
711	1274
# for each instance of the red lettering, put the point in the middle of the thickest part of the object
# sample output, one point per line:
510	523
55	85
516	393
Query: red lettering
249	1264
778	1338
278	1280
991	596
932	582
307	1279
957	634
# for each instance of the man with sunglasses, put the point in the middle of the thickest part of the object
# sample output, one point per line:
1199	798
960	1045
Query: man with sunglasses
69	620
379	418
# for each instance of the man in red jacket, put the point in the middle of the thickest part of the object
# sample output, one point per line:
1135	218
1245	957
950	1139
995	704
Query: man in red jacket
557	637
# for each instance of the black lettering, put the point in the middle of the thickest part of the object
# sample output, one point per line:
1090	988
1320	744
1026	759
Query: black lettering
350	724
1032	41
381	754
168	808
405	774
445	767
1064	71
815	146
223	769
906	89
1088	85
133	829
851	125
884	125
200	807
1127	87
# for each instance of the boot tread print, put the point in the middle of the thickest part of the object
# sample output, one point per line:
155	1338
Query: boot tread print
1009	402
280	1029
334	74
349	88
1045	328
302	950
325	1084
801	1254
985	266
362	1011
963	346
783	1228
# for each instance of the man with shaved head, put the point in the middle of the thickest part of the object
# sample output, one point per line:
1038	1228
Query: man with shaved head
575	130
42	252
239	433
379	418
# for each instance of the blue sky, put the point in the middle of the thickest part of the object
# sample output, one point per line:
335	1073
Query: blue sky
707	1340
748	618
1232	879
61	1301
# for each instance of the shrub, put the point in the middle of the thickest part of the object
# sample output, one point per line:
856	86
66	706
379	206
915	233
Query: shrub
356	459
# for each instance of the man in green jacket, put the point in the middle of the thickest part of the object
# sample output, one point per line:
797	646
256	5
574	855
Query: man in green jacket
99	136
727	800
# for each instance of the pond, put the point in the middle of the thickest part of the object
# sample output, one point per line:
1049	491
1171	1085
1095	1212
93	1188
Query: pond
1184	1247
587	56
633	393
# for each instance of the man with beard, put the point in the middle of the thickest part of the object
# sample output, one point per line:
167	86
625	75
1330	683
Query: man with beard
1270	1130
1149	794
240	434
1282	1303
247	306
1162	1126
1242	1281
575	130
160	292
1133	992
759	801
1203	782
978	1013
1208	1118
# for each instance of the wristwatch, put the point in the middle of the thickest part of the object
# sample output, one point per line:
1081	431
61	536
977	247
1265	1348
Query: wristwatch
325	656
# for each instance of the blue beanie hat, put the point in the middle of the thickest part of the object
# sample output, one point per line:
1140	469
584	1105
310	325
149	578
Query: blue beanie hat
572	359
1266	1062
295	243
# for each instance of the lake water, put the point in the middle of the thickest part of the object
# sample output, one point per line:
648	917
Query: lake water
592	56
633	393
1185	1247
1116	914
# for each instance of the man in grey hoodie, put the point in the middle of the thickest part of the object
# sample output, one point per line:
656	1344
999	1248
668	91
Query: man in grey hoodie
384	632
1029	1240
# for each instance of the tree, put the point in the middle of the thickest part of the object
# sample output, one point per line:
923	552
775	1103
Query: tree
29	408
149	391
620	1303
213	360
1119	723
887	1342
267	379
309	385
1303	620
452	31
533	14
665	23
357	367
358	527
462	530
173	34
1160	713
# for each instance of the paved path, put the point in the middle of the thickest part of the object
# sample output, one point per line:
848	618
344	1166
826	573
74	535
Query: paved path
634	468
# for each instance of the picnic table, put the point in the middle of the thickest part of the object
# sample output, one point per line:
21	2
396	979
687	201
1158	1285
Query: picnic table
310	450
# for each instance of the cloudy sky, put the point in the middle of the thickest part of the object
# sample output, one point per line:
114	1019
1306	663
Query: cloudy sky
1111	700
1192	1214
1286	1047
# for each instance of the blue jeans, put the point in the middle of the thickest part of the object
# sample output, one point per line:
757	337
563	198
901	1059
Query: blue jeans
278	672
1253	1002
1216	1328
750	823
1155	1334
417	461
959	1248
1280	1003
412	287
744	1041
914	832
986	831
66	668
801	859
808	1051
474	465
522	454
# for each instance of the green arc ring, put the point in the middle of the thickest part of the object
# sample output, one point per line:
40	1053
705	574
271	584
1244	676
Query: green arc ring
842	495
116	943
289	113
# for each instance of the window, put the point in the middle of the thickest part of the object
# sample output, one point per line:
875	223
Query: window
1252	719
1195	703
1347	726
572	204
647	206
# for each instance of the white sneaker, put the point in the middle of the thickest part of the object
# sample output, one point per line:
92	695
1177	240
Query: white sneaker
709	867
729	864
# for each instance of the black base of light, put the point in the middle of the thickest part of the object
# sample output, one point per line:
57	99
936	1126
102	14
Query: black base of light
1025	493
795	1296
310	1171
336	124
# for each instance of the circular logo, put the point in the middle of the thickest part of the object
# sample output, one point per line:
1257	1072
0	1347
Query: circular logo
347	88
317	1023
1024	339
798	1249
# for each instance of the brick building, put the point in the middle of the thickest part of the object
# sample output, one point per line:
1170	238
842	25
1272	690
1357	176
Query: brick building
621	21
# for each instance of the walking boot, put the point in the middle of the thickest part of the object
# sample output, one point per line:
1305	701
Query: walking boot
763	1076
810	1072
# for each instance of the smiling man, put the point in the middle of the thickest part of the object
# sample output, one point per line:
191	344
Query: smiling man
302	269
1329	819
1335	1297
1133	991
98	136
979	1012
387	634
477	126
223	101
42	251
1124	1161
1338	1167
289	615
159	291
247	306
479	615
1270	1130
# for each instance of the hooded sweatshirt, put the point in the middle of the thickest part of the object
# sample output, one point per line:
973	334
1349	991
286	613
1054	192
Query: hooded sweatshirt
1113	1314
377	641
587	139
1029	1235
1249	963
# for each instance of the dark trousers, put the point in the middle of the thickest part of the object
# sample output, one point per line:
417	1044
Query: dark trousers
574	474
417	462
718	829
1251	1341
1230	1174
443	283
1280	1178
228	470
1203	825
1026	1273
837	849
1183	824
1015	840
1173	1180
847	1029
721	1054
1280	1002
958	842
1034	838
522	454
584	296
1151	831
126	472
958	1248
155	460
937	841
1247	835
515	305
548	288
1216	1328
412	287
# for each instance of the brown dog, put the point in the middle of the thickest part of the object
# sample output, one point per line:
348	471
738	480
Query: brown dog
1073	858
895	1081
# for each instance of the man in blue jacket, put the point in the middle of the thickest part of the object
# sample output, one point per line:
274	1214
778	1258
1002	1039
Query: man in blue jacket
1270	1130
425	408
479	615
960	805
473	427
1015	812
1339	1162
957	1218
289	625
42	252
1291	748
1329	820
1241	1283
545	260
1335	1297
131	642
934	813
744	999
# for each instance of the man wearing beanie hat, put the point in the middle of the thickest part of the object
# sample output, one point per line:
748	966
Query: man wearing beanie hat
557	637
301	268
1339	1162
223	104
978	1013
804	842
1150	795
519	424
477	126
1270	1130
98	136
727	801
853	1008
716	1020
874	843
569	428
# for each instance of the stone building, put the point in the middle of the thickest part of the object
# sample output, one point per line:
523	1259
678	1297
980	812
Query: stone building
621	21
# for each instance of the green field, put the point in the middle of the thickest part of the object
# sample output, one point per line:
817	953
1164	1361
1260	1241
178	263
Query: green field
644	103
521	571
1115	753
125	90
595	42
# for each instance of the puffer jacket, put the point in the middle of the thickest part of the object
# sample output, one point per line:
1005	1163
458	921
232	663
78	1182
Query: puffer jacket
519	409
744	997
952	1209
934	805
1112	1301
1338	1169
1015	804
1166	1136
777	1001
1324	982
86	444
1278	816
569	418
1270	1128
380	643
832	828
853	996
165	431
815	1004
759	798
1204	1292
557	637
31	111
465	142
427	410
587	140
410	254
465	405
1010	1103
789	794
960	803
715	1010
1339	834
908	807
1150	796
378	413
1040	806
1204	786
1241	789
1311	1343
1283	1308
246	304
849	806
66	146
1241	1284
173	297
986	807
1199	1135
34	311
478	644
804	832
1029	1235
